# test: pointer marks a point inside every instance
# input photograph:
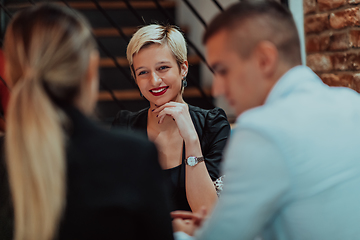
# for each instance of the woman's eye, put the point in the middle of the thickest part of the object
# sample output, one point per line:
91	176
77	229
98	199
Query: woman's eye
141	73
163	67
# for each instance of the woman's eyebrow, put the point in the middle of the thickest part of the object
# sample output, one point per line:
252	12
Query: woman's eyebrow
138	68
162	62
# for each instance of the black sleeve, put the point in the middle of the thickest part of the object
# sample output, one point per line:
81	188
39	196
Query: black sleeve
156	217
216	133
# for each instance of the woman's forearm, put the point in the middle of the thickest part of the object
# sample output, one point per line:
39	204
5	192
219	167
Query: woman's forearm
200	190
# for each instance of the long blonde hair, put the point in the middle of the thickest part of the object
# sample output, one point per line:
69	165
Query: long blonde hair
47	48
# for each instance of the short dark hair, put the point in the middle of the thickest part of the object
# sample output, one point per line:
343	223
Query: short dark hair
266	19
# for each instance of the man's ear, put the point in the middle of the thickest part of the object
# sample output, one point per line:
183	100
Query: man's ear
267	58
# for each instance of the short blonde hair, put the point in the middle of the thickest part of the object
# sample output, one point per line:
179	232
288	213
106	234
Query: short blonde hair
157	34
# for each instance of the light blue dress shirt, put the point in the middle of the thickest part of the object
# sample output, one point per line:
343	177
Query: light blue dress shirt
293	166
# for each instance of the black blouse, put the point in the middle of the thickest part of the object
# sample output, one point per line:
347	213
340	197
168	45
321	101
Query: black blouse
212	128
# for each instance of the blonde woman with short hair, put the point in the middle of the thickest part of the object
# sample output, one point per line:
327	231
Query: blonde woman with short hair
69	178
190	140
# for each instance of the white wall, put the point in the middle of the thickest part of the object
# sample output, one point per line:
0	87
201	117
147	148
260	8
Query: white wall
207	9
296	7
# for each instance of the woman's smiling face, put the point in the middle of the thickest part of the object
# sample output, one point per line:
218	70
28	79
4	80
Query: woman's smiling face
158	75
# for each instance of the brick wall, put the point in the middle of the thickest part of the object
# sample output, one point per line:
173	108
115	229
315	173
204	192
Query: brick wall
332	32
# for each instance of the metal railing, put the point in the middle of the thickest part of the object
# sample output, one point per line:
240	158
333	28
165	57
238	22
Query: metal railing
140	19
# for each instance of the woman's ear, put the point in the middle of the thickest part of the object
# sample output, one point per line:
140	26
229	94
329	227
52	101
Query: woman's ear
93	69
184	67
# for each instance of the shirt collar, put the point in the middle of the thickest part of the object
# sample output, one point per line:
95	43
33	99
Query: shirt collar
293	78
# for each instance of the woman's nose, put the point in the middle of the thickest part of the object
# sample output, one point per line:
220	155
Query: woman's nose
155	79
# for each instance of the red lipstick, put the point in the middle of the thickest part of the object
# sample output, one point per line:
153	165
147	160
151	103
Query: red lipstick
158	91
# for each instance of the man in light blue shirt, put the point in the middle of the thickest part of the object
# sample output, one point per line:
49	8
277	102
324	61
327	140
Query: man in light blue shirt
293	163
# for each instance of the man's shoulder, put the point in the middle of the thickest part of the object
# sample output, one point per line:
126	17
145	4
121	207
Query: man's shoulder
209	114
304	111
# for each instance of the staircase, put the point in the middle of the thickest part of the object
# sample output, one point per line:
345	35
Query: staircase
109	20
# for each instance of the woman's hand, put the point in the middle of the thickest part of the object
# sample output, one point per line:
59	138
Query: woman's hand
180	113
188	222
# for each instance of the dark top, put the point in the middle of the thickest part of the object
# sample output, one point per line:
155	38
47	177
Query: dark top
212	128
6	211
115	189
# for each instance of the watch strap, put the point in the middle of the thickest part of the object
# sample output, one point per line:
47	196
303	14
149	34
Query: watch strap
192	163
200	159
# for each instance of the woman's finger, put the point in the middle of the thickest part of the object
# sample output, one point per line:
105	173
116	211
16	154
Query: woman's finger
167	111
160	108
182	214
161	119
168	105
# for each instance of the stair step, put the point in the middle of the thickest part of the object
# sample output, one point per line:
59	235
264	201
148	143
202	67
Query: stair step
133	94
108	62
105	5
117	11
129	31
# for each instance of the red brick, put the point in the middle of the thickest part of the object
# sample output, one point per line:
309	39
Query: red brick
328	78
339	41
330	4
324	42
340	61
356	82
353	61
316	23
309	6
353	1
345	18
354	38
346	61
338	80
319	62
312	44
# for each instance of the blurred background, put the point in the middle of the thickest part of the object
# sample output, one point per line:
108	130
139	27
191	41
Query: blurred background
113	23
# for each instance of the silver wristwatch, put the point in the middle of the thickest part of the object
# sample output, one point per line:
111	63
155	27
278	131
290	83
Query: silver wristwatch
193	161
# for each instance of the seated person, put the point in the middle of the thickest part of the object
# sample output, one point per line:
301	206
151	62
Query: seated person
190	140
69	178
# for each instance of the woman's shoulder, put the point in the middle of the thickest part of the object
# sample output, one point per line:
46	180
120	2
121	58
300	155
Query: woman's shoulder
208	115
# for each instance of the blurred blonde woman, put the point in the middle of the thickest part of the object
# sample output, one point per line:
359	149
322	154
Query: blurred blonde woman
190	140
69	178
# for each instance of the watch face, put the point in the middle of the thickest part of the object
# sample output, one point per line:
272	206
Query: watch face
191	161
